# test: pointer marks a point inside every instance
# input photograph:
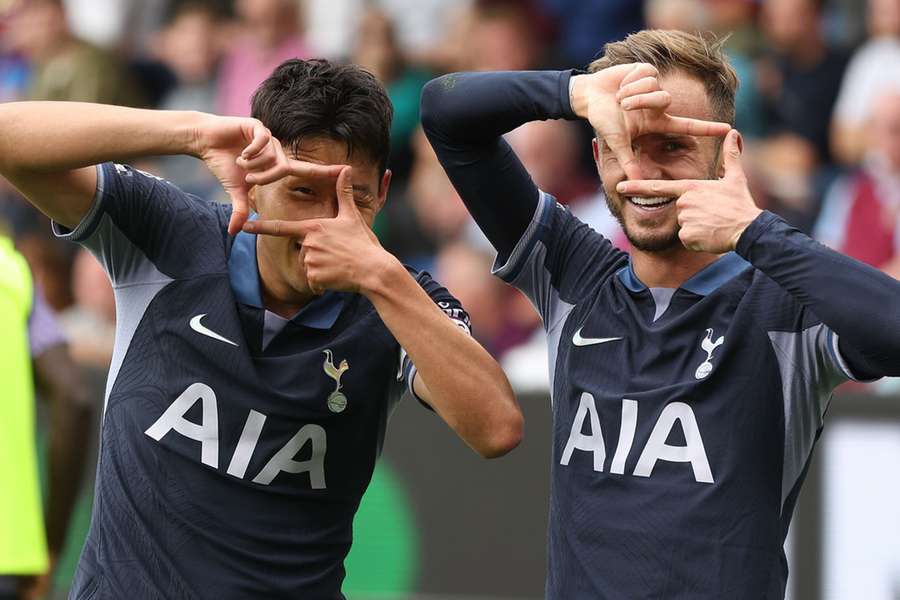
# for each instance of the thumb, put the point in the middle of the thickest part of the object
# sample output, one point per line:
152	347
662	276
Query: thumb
346	205
239	209
731	155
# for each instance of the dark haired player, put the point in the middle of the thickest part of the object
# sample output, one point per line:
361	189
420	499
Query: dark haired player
253	375
690	379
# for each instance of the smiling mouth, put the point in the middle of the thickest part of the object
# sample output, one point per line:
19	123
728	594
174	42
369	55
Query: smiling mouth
650	203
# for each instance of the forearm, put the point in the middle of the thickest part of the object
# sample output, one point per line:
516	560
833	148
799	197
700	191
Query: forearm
462	382
464	116
859	303
38	137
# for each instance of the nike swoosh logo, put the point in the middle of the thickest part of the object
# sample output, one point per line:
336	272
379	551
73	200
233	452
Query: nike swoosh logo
580	341
199	328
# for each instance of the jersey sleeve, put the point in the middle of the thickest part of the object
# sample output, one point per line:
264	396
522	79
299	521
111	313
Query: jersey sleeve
454	310
465	115
142	228
558	261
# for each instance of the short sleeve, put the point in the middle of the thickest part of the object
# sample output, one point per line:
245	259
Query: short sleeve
140	226
559	260
454	311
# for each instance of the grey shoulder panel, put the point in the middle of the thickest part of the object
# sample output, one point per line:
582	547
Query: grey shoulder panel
809	374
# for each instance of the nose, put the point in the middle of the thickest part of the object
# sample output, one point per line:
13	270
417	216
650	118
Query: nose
650	169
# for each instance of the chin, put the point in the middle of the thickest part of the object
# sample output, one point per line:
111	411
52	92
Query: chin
653	241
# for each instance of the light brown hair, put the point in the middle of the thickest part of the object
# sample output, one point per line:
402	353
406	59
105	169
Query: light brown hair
697	55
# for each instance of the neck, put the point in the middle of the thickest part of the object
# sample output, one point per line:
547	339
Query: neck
668	269
278	296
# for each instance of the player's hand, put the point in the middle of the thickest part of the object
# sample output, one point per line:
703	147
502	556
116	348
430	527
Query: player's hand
712	213
626	101
230	147
339	253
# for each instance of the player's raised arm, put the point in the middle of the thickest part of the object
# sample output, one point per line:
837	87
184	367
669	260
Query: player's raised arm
454	374
465	114
47	149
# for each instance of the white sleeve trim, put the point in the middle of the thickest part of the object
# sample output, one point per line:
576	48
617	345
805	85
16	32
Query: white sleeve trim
90	219
520	252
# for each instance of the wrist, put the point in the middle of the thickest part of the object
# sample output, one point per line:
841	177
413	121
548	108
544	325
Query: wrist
746	222
190	130
379	274
578	98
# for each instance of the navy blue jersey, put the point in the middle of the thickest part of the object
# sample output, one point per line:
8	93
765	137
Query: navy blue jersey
683	419
235	445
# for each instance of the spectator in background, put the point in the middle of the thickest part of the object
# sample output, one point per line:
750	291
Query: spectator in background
861	214
874	67
736	19
586	25
190	47
377	50
801	74
685	15
798	80
269	33
556	172
90	323
504	36
420	25
33	348
64	67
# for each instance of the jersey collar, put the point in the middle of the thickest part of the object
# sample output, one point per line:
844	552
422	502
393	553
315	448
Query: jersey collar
243	272
704	282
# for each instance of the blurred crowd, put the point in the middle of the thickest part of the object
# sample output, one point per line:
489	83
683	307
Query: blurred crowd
819	108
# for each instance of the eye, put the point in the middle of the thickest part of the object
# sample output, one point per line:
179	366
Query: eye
302	190
673	146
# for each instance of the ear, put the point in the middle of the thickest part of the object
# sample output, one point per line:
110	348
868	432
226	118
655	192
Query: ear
383	189
595	145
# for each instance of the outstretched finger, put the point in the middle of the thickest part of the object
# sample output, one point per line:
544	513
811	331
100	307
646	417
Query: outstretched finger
282	228
696	127
261	136
301	168
652	188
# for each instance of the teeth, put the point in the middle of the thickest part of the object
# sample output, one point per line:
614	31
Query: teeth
657	201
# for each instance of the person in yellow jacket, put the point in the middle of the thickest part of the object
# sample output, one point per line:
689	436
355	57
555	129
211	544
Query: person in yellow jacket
32	348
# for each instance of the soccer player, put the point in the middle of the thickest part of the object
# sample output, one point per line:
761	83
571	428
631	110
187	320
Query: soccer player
253	374
689	380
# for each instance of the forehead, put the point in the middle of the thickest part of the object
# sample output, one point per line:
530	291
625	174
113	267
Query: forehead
327	151
689	97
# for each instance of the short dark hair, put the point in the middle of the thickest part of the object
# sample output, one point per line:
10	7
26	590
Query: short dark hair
305	99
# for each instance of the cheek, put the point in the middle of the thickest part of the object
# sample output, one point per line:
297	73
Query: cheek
610	171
